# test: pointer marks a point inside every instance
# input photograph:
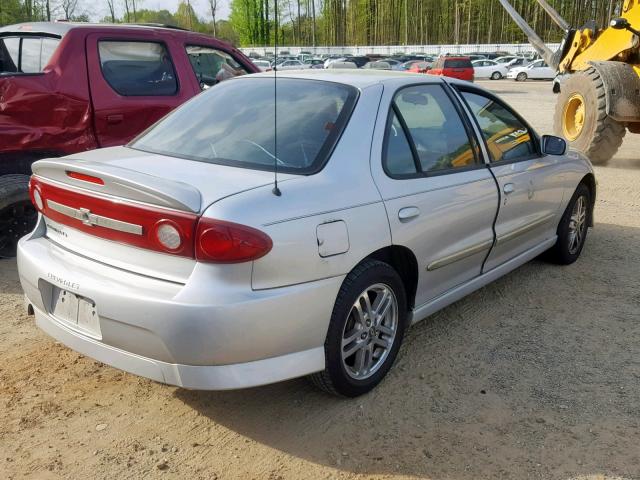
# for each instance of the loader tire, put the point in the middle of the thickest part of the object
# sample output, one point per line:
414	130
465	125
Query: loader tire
591	131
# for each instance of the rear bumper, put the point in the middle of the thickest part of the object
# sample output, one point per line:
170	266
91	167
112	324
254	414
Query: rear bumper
207	334
218	377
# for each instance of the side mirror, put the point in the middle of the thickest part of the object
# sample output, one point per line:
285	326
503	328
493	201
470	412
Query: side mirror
553	145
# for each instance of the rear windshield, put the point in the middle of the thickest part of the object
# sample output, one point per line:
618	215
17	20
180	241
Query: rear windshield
26	54
457	63
234	123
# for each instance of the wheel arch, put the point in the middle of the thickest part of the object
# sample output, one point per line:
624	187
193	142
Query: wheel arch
20	162
403	261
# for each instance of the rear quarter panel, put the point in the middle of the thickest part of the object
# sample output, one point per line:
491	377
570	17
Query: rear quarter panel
342	191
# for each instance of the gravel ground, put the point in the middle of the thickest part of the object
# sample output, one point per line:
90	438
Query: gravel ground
534	376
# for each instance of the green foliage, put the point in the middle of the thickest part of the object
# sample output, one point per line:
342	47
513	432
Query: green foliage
351	22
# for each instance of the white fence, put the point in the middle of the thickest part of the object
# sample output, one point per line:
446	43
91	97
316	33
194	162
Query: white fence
514	48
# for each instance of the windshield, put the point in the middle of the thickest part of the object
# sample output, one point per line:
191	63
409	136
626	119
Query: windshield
234	124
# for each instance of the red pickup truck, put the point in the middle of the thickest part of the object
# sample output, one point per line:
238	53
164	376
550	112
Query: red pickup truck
71	87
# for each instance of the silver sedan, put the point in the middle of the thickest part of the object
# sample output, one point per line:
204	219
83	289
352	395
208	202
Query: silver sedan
250	238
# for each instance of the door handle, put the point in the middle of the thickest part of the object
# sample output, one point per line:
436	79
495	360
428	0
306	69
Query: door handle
115	119
508	188
407	213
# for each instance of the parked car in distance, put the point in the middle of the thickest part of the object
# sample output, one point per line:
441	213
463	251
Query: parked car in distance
454	67
178	258
314	61
489	69
518	62
70	87
538	70
359	60
378	65
263	65
342	65
420	67
291	65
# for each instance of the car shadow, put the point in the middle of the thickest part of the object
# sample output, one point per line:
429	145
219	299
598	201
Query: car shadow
533	376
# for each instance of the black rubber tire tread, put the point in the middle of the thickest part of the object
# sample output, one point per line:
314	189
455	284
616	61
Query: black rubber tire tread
496	76
523	76
601	136
559	253
14	188
323	380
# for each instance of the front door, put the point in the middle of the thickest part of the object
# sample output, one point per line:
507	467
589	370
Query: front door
531	186
441	199
134	81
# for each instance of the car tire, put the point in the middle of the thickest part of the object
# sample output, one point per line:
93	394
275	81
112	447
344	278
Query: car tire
356	359
17	214
599	136
496	76
521	77
573	228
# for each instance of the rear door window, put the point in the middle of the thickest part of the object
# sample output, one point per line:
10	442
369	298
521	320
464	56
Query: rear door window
434	128
137	68
26	54
212	66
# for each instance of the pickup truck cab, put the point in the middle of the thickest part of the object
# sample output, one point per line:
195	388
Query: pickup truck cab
71	87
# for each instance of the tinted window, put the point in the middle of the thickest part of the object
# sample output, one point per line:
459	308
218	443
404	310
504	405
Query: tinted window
137	68
212	66
36	53
235	124
457	63
508	139
398	158
434	125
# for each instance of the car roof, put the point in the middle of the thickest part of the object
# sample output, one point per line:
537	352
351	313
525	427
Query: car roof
62	28
357	78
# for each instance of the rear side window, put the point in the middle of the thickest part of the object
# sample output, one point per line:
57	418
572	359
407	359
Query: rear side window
457	63
212	66
434	127
235	124
508	139
137	68
26	54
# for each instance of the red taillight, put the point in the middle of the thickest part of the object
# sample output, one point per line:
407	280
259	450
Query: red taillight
84	177
152	228
226	242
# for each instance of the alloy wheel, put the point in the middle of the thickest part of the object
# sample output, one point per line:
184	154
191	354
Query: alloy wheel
370	331
577	224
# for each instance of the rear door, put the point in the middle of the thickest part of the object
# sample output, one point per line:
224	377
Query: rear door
531	184
135	79
441	199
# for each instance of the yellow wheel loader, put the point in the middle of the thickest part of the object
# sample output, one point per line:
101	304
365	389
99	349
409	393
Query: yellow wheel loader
599	98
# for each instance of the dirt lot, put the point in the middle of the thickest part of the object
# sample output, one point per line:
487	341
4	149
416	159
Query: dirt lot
535	376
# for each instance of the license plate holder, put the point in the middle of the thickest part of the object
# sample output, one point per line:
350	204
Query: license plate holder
76	311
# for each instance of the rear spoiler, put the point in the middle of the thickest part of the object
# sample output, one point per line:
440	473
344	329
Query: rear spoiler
120	182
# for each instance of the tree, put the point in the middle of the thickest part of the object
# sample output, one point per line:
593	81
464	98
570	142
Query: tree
213	4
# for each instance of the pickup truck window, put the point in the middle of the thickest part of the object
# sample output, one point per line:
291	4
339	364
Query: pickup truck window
26	54
137	68
212	66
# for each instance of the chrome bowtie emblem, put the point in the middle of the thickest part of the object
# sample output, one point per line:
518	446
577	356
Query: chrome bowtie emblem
92	220
85	216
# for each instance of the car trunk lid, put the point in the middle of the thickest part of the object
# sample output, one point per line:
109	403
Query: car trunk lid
107	205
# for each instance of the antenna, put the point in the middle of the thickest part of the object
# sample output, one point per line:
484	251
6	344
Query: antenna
276	191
